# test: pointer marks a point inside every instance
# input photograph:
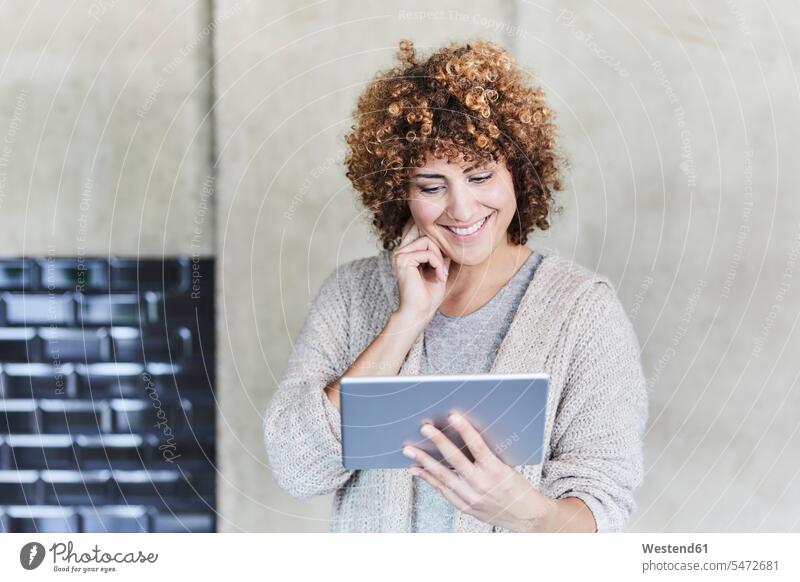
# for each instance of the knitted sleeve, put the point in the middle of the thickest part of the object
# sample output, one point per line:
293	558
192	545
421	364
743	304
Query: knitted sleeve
597	451
302	430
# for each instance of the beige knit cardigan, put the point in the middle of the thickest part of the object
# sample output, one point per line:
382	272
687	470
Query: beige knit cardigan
569	325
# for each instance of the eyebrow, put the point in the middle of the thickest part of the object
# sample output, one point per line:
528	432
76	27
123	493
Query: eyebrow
472	167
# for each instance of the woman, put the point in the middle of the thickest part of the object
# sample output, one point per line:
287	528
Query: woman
455	158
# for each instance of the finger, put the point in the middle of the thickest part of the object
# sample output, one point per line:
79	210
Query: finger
445	491
409	233
473	439
419	241
451	452
417	258
425	243
429	241
445	475
445	261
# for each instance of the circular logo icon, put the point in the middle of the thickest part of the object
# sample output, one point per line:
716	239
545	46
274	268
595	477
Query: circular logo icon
31	555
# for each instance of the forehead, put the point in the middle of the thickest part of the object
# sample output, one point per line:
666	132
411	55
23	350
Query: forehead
442	166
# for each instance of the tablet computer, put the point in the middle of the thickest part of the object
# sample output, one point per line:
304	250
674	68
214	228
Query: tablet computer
382	414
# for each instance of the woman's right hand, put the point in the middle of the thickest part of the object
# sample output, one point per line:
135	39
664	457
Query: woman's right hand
421	289
421	293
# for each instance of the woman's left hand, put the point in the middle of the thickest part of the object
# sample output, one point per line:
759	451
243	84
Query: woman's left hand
487	489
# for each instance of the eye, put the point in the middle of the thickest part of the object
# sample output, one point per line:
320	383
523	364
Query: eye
480	179
431	189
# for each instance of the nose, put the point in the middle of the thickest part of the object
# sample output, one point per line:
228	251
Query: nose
462	205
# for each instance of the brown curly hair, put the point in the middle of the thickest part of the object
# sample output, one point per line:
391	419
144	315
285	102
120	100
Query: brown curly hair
466	101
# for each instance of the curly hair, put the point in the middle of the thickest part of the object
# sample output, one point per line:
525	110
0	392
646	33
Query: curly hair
465	101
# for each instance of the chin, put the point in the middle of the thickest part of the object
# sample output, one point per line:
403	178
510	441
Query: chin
470	257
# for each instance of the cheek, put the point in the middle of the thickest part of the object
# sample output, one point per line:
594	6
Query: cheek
424	212
502	198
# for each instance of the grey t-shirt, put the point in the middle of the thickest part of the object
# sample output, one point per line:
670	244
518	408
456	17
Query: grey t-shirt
465	345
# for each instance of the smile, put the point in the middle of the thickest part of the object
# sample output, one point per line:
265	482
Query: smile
471	231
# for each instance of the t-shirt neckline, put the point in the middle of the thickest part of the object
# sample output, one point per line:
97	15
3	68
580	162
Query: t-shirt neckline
532	257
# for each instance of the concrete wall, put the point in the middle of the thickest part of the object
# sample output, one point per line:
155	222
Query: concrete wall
679	120
105	143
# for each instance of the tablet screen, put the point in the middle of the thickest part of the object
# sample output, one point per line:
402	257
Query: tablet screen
382	414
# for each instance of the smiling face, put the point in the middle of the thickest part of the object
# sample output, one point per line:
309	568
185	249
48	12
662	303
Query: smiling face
464	208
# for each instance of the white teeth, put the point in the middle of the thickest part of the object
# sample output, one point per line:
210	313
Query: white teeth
469	230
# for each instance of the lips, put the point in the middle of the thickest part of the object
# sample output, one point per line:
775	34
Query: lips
471	231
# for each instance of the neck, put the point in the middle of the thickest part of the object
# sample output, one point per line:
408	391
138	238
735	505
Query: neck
498	268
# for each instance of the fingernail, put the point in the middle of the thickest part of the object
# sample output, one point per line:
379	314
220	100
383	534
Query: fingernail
455	419
426	430
408	453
